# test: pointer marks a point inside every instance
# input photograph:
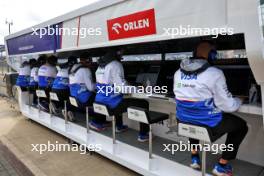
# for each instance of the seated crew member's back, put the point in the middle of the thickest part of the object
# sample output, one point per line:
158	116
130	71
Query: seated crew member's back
47	73
82	85
33	82
23	76
201	98
61	86
34	72
81	82
109	75
61	82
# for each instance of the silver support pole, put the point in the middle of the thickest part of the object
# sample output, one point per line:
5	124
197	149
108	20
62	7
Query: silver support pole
65	111
203	160
50	108
150	141
29	103
38	105
113	129
87	120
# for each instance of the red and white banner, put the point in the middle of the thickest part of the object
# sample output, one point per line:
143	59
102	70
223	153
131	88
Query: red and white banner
134	25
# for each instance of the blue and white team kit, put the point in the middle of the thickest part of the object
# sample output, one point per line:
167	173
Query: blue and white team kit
81	85
61	81
34	77
46	76
202	97
106	76
23	76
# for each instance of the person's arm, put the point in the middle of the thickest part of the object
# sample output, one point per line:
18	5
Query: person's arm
118	77
54	73
223	99
28	71
117	74
35	74
88	79
175	83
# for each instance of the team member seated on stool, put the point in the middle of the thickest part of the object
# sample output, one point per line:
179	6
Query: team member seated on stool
110	73
23	76
82	87
202	98
46	75
61	85
33	82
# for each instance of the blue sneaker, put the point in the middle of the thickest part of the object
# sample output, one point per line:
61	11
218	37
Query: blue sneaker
196	163
222	171
120	129
143	137
96	126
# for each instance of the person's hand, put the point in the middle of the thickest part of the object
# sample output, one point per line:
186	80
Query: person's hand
242	98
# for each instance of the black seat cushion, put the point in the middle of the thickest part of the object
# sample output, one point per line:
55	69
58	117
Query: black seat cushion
152	116
111	112
155	117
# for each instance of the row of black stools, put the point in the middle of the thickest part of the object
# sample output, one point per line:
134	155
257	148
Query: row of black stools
201	133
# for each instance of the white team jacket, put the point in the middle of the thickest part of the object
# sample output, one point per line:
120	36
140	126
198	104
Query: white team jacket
204	96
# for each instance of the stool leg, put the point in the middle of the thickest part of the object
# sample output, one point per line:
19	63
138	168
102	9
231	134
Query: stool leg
150	141
203	160
65	111
29	104
113	129
87	120
50	108
38	105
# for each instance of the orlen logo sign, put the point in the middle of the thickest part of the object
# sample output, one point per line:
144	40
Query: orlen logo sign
133	25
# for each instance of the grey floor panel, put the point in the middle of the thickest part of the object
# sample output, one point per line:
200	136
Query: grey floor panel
241	168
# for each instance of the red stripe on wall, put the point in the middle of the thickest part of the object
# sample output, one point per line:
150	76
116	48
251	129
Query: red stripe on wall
78	35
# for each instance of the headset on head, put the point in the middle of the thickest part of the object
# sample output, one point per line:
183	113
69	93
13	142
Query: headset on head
211	55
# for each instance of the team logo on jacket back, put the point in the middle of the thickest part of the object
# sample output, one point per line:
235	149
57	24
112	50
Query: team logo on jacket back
133	25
